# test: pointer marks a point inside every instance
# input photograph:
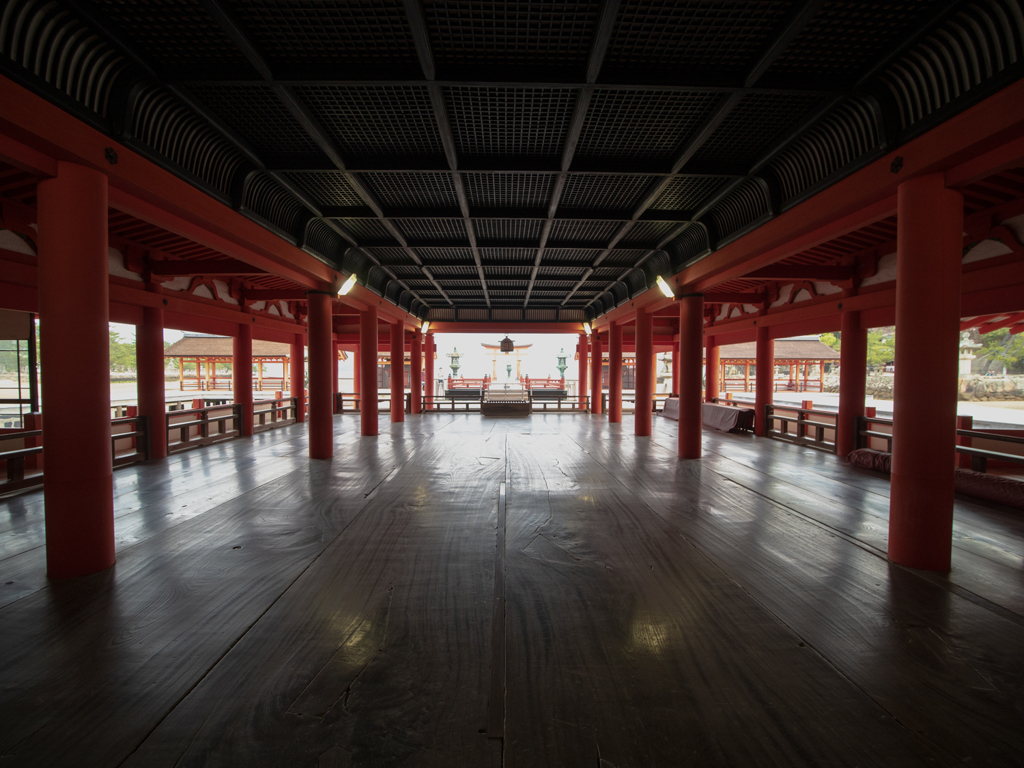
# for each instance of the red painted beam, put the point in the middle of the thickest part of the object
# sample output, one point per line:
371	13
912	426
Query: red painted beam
802	272
733	298
275	294
209	267
445	326
1004	323
145	190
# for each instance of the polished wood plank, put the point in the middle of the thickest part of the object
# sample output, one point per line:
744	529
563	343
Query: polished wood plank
271	610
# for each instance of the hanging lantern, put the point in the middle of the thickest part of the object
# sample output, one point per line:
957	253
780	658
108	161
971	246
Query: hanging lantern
507	345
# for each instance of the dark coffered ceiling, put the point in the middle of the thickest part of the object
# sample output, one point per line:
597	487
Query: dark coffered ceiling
478	159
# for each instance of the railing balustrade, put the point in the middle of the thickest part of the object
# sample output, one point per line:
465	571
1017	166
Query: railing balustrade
872	430
202	426
802	426
129	442
272	414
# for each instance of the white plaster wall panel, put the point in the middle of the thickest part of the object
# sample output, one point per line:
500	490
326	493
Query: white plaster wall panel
886	271
116	267
12	241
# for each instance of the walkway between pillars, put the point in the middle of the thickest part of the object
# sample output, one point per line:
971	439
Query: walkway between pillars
353	622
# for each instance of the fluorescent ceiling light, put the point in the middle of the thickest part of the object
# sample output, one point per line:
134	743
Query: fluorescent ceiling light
665	287
348	285
586	328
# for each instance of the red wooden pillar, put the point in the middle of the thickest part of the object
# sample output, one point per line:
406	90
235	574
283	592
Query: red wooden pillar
615	374
241	373
336	378
853	368
368	371
397	372
929	242
75	365
713	357
582	351
149	360
416	371
428	371
691	342
644	373
764	379
298	371
596	363
321	347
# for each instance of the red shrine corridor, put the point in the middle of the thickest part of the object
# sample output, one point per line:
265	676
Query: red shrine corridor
269	610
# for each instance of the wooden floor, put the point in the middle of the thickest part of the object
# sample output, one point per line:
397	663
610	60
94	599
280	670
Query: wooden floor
543	591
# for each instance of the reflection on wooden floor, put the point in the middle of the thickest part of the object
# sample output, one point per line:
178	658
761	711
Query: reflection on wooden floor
553	581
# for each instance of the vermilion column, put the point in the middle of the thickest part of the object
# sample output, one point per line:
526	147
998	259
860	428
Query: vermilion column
149	360
713	364
853	368
428	371
416	371
644	373
336	377
241	373
929	241
298	373
582	351
691	343
75	365
764	382
321	347
368	371
397	372
596	363
615	374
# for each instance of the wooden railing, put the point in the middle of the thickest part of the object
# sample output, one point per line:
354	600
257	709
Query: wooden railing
657	402
872	431
272	414
870	436
202	426
560	404
129	442
802	426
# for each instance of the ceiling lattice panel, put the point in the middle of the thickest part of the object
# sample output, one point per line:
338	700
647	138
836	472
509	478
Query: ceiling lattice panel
529	122
706	35
527	32
669	118
508	190
487	145
376	121
317	32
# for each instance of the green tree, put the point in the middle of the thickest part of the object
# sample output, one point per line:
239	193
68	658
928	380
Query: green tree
1002	348
831	340
881	346
122	355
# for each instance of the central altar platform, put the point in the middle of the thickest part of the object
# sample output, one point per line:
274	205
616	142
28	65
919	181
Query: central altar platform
506	400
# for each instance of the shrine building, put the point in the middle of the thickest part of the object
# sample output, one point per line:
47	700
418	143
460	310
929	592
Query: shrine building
382	572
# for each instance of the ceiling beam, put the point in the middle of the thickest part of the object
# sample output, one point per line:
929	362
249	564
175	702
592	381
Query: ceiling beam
233	27
275	294
421	38
206	267
633	81
787	31
802	272
733	298
1006	322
